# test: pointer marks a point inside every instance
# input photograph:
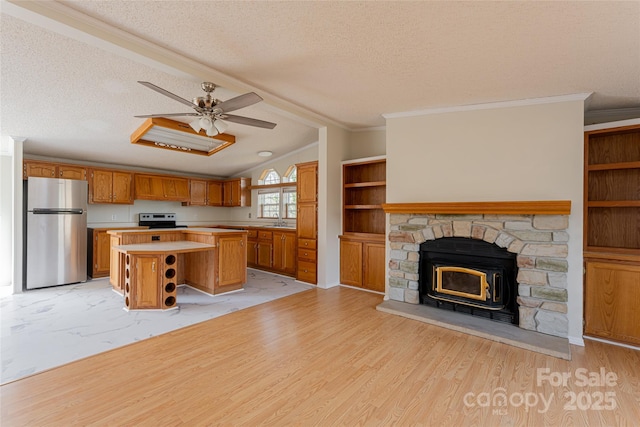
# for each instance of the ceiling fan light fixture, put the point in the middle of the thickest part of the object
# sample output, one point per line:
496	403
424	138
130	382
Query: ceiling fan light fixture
195	125
206	123
212	131
220	125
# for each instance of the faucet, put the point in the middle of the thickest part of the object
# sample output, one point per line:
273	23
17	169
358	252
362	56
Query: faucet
279	221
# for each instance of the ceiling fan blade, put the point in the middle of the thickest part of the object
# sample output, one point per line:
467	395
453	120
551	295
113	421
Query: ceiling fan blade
239	102
248	121
144	116
170	95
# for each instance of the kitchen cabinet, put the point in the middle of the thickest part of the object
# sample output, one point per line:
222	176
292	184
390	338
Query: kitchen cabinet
232	262
284	252
160	187
236	192
612	240
307	222
52	170
110	186
214	193
197	193
144	287
39	169
252	247
264	249
99	251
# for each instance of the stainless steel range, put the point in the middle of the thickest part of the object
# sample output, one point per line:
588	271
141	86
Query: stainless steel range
159	220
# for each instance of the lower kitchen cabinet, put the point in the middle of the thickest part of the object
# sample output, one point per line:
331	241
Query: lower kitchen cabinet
284	252
362	263
231	268
611	301
264	248
306	270
99	251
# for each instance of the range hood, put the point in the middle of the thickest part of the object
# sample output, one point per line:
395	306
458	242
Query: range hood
177	136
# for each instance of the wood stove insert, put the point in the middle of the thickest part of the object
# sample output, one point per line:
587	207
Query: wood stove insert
469	276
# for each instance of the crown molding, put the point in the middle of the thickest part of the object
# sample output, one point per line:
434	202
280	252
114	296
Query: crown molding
491	105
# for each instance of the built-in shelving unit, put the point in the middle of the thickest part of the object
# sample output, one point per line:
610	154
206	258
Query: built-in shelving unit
362	246
612	233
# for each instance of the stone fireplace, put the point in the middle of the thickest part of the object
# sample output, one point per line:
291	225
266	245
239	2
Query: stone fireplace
533	233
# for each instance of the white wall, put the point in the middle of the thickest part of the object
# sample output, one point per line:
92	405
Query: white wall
367	143
528	152
334	142
6	214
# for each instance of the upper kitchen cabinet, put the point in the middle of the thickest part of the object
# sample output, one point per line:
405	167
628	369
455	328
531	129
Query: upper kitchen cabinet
204	193
214	193
237	192
52	170
161	187
307	182
110	186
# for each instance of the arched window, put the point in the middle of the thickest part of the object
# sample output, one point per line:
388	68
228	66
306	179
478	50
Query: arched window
291	175
269	176
277	201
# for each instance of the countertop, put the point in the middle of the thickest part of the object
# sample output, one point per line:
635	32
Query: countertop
192	230
161	247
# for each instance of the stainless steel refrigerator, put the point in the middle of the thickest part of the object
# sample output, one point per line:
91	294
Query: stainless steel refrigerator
56	232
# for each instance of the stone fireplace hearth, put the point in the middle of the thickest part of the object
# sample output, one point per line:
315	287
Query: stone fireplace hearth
537	239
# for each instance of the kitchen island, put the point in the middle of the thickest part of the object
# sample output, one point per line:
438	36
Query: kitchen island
147	265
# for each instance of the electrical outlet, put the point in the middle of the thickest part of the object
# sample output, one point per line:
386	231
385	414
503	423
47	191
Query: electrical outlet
249	215
114	217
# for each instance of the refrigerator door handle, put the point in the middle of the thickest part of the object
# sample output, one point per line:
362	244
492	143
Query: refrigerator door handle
45	211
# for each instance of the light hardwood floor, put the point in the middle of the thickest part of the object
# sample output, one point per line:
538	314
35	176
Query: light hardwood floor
324	357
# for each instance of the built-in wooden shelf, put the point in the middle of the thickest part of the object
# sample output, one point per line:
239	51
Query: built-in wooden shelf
542	207
363	207
366	184
615	204
612	166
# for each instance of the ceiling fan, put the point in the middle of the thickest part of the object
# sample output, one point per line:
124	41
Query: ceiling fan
210	111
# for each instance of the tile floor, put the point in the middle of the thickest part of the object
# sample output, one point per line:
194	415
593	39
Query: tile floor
45	328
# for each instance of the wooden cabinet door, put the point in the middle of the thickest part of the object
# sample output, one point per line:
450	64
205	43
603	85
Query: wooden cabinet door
39	169
122	187
232	260
214	193
252	253
149	187
611	301
147	291
197	192
265	254
307	182
101	253
373	266
72	172
284	252
227	193
101	186
307	220
351	262
175	189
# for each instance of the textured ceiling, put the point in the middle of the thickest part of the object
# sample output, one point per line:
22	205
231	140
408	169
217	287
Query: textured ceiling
344	62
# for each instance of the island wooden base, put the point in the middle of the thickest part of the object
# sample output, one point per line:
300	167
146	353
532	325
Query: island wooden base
148	265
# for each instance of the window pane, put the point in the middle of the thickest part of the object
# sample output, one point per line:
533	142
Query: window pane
289	195
268	204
